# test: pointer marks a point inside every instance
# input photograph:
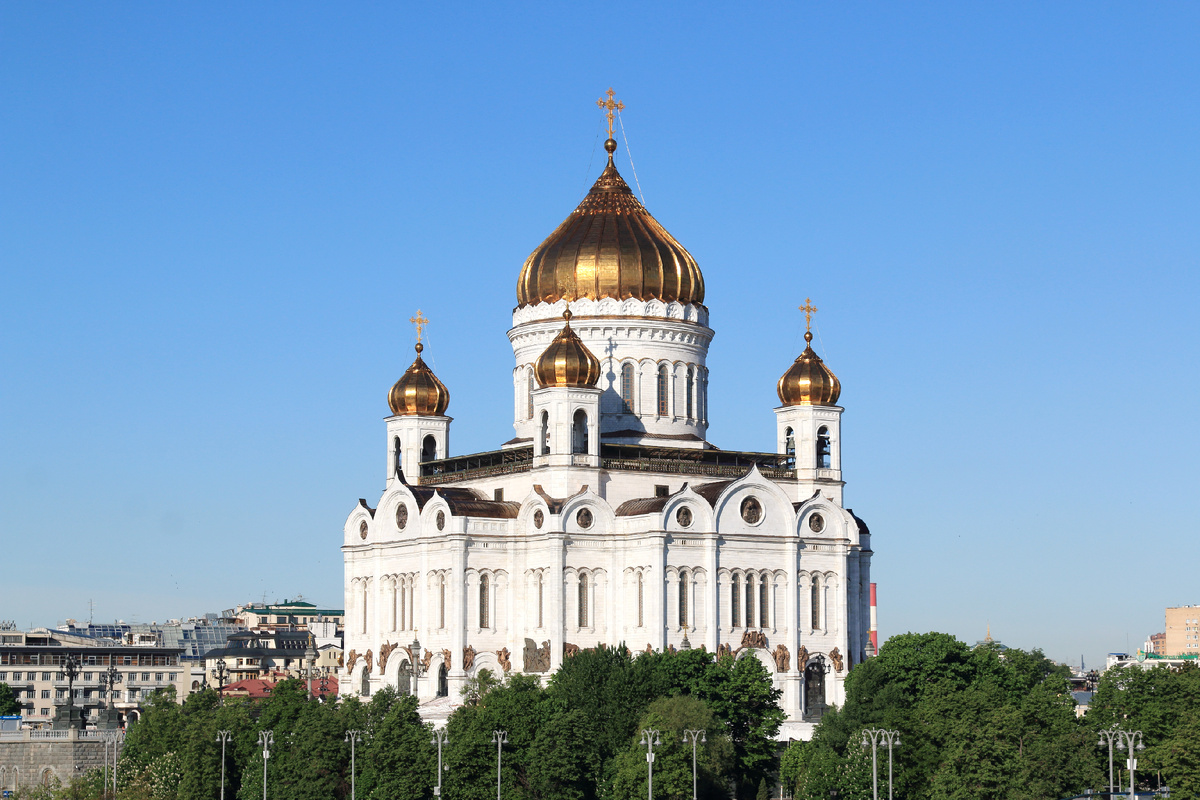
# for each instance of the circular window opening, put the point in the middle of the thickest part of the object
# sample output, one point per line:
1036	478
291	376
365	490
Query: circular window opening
816	523
584	518
751	510
684	517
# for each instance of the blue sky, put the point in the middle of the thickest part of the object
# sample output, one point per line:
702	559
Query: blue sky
216	220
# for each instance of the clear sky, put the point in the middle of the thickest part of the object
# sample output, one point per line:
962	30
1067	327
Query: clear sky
216	220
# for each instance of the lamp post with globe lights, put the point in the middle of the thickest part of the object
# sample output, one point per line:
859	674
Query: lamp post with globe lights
693	736
1122	739
223	738
221	673
352	736
265	739
440	738
500	738
651	739
1131	740
873	737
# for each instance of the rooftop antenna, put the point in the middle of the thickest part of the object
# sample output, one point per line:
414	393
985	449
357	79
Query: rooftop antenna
91	610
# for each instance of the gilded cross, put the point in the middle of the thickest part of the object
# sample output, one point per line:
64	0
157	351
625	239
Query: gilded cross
420	321
809	309
609	106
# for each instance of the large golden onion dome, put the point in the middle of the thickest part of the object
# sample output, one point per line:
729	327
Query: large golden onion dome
808	382
567	361
610	246
419	392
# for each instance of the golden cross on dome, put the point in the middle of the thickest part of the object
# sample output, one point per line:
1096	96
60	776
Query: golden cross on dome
609	106
420	321
809	309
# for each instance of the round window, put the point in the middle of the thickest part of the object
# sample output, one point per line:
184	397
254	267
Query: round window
441	520
584	518
401	516
362	529
751	510
816	523
684	517
538	518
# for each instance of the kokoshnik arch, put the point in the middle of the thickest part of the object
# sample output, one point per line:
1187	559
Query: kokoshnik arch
609	518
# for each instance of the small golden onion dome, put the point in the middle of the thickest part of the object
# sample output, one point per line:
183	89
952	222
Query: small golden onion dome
419	392
567	361
808	382
610	246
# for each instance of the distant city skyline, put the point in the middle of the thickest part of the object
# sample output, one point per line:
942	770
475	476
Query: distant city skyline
216	225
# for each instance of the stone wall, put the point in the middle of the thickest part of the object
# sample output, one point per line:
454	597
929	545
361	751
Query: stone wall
35	759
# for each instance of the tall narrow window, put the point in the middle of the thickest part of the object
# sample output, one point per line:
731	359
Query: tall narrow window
816	603
544	436
789	447
583	600
364	605
627	387
683	598
442	602
735	601
483	602
529	396
641	602
403	604
395	601
764	602
412	601
398	464
541	585
662	390
823	449
579	432
749	601
691	388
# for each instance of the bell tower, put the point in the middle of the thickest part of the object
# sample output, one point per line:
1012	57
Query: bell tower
418	429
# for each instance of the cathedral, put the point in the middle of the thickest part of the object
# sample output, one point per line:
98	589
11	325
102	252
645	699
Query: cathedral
608	518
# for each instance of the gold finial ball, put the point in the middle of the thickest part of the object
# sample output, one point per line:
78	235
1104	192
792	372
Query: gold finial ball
420	347
567	315
808	336
610	145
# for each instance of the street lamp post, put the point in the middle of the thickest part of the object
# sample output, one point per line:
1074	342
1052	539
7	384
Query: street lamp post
1114	735
874	737
221	673
352	736
310	673
693	736
414	658
440	737
651	739
116	737
501	739
1130	740
223	738
266	739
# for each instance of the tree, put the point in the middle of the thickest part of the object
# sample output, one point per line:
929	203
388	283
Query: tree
400	756
8	701
670	716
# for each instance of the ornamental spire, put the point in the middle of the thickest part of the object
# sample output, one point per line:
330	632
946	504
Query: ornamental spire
809	309
419	321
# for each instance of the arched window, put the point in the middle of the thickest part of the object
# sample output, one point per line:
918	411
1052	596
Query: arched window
823	448
365	689
544	436
540	586
764	603
579	432
691	388
641	602
627	387
442	602
789	447
816	603
583	600
683	598
749	601
398	463
443	684
529	396
404	678
483	602
735	601
662	390
429	449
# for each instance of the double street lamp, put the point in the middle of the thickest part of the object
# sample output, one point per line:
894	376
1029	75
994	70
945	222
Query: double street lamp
500	738
223	738
693	736
1125	740
440	738
266	739
875	737
221	673
651	739
352	736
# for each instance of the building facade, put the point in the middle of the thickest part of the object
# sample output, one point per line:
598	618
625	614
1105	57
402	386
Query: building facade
1182	636
609	518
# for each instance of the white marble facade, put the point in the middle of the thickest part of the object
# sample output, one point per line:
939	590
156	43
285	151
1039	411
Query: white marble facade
610	521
